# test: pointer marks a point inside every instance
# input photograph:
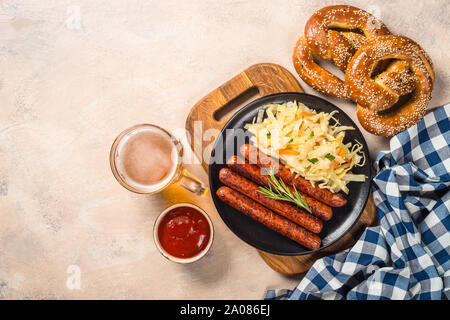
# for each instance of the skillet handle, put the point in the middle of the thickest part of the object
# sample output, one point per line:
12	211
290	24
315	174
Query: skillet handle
208	116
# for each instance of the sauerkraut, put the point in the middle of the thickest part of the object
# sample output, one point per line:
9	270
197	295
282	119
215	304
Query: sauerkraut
308	144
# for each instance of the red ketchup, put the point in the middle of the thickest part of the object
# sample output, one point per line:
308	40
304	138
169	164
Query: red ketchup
184	232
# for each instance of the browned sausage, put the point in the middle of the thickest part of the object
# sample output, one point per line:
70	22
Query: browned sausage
287	210
253	172
268	218
250	171
262	160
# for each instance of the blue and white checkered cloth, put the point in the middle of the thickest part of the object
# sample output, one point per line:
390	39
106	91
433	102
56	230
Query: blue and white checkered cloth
408	255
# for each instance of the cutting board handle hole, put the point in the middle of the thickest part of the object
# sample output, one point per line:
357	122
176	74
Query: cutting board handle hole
236	103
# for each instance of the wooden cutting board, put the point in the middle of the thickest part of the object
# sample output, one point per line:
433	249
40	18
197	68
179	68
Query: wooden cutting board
212	112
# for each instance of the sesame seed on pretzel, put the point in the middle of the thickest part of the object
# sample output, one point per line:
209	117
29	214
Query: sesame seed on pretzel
330	35
411	73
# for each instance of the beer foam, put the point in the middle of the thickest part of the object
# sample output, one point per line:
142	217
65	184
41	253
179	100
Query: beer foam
147	159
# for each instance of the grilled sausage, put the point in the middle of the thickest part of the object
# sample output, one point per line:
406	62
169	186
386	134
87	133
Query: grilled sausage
287	210
253	172
248	170
254	156
268	218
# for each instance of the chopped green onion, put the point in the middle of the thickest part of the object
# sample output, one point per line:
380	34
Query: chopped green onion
311	135
268	134
330	157
313	160
291	140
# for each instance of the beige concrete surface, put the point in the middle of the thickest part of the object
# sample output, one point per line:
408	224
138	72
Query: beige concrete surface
73	74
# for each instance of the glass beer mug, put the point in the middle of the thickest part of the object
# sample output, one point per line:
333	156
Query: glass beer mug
146	159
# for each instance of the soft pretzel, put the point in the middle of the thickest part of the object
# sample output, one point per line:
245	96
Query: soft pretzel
377	99
323	40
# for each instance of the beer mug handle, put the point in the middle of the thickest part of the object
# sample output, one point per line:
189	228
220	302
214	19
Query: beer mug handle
191	183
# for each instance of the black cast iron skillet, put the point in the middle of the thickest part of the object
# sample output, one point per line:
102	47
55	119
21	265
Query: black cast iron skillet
254	233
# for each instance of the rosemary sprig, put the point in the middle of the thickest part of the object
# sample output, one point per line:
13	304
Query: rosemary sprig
279	191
